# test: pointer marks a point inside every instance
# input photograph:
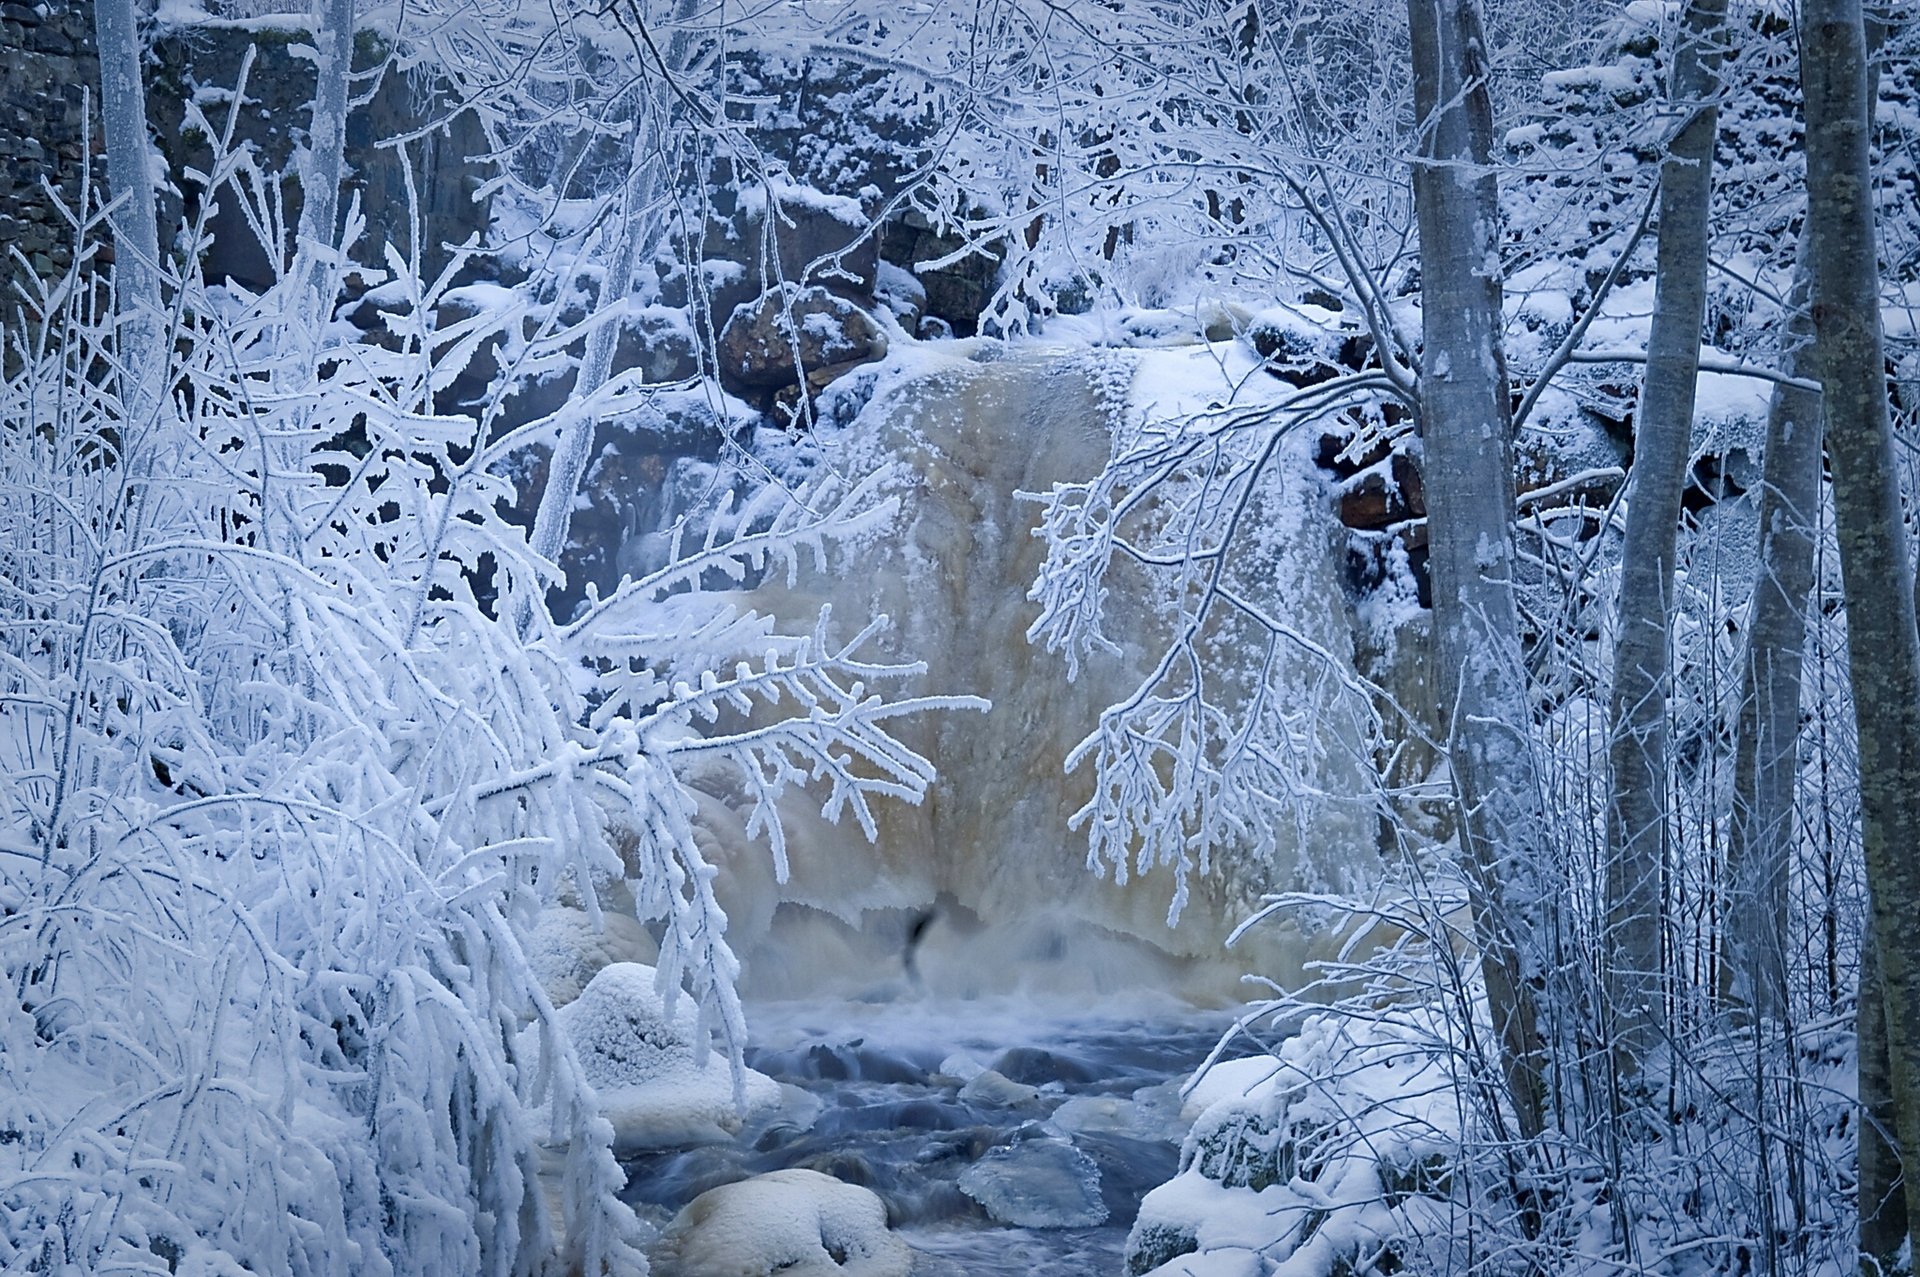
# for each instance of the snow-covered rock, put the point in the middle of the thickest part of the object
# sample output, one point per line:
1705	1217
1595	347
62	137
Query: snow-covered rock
1340	1146
651	1081
791	330
1037	1183
796	1223
567	949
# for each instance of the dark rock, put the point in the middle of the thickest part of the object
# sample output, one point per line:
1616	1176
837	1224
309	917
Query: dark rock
955	293
1037	1066
792	332
1151	1245
811	239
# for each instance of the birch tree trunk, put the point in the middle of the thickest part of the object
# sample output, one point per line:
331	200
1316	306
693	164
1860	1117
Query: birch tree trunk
1663	430
1466	426
334	23
136	237
1766	763
1883	648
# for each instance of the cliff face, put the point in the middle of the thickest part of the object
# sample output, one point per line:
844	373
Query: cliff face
48	73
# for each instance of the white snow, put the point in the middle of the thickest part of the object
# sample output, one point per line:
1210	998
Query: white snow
652	1082
795	1223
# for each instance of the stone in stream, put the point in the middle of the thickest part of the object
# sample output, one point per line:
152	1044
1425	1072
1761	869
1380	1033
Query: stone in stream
652	1083
1037	1183
995	1090
795	1223
1037	1066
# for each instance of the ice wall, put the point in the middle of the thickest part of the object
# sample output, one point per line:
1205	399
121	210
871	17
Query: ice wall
984	888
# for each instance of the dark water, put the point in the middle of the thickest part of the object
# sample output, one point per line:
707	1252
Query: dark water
895	1116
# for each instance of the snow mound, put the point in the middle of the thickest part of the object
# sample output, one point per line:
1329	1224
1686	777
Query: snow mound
567	949
796	1223
653	1083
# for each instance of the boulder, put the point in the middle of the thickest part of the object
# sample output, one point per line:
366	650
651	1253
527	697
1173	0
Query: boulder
652	1082
567	949
792	331
794	1223
808	227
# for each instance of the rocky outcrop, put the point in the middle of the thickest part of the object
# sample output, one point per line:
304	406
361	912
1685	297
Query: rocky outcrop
202	61
793	333
47	63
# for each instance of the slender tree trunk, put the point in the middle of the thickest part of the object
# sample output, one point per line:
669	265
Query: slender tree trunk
1767	733
1883	648
334	23
1466	427
1663	431
136	237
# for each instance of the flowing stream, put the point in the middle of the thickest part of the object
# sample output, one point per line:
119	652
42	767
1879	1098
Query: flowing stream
983	1173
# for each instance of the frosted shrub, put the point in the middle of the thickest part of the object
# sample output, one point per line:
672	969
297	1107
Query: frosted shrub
283	788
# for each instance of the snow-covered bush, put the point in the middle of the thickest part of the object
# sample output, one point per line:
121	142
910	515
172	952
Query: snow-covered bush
293	755
1339	1149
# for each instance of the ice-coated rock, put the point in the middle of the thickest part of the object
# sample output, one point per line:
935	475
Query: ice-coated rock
567	950
645	1069
996	1090
794	1223
1037	1183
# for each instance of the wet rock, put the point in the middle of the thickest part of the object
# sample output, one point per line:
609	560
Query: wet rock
996	1090
1037	1066
796	1223
791	333
1037	1183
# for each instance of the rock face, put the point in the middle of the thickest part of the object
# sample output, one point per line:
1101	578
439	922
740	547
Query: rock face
795	1223
792	331
205	58
46	61
813	239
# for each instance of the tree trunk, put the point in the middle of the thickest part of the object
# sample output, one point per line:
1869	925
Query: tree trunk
1663	430
1767	734
1883	1216
136	237
1883	648
334	23
1466	426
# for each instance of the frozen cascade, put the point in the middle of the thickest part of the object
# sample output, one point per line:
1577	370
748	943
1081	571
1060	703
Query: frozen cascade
984	888
916	986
